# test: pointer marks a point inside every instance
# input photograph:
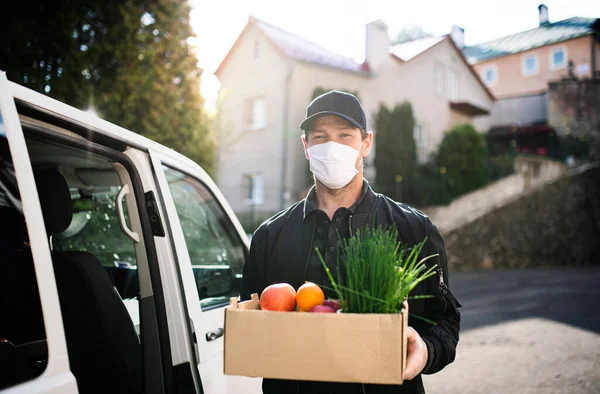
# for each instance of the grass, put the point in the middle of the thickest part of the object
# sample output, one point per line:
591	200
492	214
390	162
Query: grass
376	273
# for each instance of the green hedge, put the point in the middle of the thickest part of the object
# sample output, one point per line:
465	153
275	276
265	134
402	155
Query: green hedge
461	165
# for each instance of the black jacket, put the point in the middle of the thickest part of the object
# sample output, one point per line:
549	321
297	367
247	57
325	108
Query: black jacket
282	250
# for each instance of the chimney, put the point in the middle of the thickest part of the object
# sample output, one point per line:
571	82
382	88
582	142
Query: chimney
458	36
543	13
377	44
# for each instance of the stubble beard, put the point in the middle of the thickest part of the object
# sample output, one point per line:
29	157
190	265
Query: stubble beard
337	192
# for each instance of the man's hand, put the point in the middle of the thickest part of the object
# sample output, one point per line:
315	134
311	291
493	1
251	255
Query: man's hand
416	357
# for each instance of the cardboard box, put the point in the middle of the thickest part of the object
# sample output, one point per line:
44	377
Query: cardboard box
332	347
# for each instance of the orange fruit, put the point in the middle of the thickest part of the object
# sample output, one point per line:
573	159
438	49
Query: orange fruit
309	295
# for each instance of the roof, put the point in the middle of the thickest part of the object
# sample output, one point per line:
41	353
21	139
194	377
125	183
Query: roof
542	35
300	49
408	50
467	108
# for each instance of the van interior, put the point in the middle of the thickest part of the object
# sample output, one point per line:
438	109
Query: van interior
91	258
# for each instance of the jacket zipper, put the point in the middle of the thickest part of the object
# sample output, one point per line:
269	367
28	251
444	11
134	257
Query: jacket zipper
443	286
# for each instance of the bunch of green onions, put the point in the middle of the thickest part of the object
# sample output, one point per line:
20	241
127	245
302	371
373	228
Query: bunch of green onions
376	273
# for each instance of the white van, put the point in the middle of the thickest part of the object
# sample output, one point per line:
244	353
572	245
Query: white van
117	258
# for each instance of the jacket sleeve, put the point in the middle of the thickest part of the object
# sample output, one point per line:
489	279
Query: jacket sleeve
253	278
441	339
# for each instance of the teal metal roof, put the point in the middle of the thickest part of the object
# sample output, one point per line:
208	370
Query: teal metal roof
543	35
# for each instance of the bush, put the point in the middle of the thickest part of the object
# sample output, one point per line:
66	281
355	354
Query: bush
463	155
500	166
429	187
462	164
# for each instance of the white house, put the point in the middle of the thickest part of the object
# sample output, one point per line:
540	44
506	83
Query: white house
268	78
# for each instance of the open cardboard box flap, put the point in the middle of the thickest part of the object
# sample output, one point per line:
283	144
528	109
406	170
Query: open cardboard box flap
333	347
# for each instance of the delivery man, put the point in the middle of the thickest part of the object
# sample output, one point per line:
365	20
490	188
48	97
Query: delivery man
336	141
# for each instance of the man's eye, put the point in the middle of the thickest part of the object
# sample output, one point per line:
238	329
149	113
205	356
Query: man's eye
318	137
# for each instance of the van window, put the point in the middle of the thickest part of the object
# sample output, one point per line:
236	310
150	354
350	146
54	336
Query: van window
216	252
95	226
93	184
23	347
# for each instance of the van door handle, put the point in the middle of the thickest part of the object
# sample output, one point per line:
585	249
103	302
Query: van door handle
212	335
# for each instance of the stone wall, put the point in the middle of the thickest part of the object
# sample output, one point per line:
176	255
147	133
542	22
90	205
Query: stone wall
573	112
552	224
530	171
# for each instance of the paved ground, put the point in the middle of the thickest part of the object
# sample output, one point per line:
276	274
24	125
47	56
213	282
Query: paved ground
530	331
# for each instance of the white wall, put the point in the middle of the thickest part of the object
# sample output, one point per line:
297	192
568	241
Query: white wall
242	150
520	110
414	81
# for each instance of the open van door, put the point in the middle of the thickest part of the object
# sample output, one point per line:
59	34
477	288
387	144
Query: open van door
81	295
33	350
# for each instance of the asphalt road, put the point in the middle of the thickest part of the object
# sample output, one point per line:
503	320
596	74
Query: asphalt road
528	331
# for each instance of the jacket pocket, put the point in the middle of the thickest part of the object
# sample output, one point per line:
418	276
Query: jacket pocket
451	302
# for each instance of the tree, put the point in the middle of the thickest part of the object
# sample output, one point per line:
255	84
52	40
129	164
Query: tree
395	151
463	157
170	111
131	61
410	33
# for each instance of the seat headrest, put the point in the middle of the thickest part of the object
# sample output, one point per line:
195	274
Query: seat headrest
55	199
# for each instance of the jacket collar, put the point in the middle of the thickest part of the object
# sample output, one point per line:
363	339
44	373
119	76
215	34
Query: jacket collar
363	204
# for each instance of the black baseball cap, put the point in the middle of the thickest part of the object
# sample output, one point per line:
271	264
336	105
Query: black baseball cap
334	102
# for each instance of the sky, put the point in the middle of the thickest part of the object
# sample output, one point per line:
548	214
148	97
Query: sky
339	25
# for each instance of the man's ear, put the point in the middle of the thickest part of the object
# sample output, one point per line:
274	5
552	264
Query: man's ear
367	144
303	138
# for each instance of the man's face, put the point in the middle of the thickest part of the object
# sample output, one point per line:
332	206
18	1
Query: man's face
331	128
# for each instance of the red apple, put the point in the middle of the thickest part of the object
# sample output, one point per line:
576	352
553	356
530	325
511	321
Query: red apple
322	309
278	297
334	304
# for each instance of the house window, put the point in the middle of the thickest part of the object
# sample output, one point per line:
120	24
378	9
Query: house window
558	58
254	189
256	49
257	114
439	79
490	75
453	85
530	65
420	136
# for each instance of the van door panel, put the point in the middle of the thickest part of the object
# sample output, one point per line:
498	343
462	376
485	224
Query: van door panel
206	275
57	376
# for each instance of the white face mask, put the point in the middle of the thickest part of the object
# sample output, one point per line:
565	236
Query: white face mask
333	164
